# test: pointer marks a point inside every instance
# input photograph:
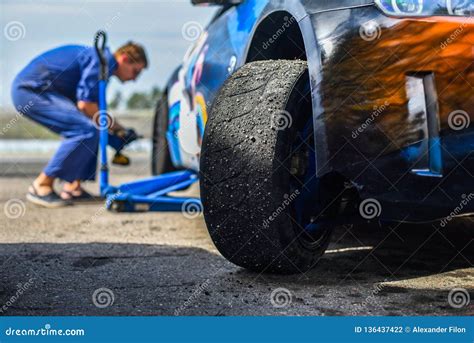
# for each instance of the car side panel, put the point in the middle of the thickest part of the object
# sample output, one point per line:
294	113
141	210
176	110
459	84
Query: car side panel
371	124
218	52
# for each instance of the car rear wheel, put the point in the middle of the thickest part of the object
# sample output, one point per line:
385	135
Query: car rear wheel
160	157
261	198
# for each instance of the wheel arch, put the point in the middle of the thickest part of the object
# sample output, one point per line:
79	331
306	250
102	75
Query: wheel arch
301	34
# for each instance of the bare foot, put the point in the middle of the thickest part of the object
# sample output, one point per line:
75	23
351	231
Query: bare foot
67	194
40	190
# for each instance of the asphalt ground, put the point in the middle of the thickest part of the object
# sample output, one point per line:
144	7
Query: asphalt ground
83	260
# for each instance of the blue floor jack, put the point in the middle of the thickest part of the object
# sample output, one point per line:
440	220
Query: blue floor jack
149	194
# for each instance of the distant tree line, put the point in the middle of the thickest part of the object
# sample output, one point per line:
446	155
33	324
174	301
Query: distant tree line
136	100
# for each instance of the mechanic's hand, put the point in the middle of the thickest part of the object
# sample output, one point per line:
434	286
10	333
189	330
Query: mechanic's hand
127	135
115	126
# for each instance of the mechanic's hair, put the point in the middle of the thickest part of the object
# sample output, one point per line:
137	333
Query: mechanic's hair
134	51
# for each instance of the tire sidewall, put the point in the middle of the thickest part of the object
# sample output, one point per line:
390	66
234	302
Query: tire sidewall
161	159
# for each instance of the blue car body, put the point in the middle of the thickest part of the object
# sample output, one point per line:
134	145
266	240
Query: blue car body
392	95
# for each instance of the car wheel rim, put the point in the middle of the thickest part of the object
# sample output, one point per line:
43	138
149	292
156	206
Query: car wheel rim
305	184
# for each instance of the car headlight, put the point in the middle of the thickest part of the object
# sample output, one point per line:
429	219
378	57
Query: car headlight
408	6
426	7
460	7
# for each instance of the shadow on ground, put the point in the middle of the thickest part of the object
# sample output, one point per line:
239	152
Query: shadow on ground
367	271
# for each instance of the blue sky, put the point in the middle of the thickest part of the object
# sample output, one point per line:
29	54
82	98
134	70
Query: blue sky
29	27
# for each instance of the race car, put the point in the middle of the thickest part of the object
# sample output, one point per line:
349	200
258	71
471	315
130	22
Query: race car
304	115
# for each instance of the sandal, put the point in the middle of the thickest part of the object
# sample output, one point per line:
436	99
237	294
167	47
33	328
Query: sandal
51	200
83	197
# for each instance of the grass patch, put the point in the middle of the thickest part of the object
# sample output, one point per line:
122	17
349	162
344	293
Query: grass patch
18	127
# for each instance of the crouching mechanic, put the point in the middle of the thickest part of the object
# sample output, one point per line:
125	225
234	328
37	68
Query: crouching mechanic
59	90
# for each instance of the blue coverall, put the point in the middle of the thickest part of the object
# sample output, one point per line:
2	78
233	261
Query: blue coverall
47	91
